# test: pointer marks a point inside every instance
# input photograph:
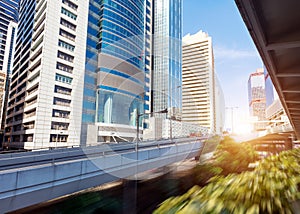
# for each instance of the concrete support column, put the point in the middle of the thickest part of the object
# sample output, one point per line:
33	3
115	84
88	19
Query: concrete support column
130	196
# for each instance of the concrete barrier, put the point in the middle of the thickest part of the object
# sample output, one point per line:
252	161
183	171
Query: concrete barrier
22	187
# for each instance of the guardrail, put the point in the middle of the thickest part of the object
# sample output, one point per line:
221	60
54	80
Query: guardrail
34	177
19	160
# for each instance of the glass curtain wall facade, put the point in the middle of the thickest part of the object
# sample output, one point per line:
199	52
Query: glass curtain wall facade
91	64
21	65
114	85
148	55
167	75
8	13
122	44
8	28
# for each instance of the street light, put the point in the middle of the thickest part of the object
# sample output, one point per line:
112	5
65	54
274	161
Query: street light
232	108
171	113
137	138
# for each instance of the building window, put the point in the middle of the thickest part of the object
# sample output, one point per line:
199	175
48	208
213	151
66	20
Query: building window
63	79
58	138
66	45
62	90
28	138
61	102
70	4
59	126
67	24
67	34
29	114
68	13
64	67
60	114
65	56
30	102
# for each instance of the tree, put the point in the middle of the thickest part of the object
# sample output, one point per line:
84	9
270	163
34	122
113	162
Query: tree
233	157
269	188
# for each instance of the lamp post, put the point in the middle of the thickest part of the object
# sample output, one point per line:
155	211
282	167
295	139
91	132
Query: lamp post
171	110
138	115
171	127
232	109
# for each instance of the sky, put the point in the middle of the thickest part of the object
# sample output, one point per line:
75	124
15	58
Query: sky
235	53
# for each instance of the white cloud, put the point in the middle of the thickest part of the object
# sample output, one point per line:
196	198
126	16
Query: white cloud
226	53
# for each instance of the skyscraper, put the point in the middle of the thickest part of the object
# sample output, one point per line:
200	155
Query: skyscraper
8	20
114	88
149	28
257	98
79	75
167	75
202	96
84	70
46	91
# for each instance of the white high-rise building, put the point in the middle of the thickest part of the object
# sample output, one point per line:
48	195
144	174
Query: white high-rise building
202	97
46	91
79	74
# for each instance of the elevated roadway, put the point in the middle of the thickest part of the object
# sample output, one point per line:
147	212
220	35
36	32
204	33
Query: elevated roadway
33	177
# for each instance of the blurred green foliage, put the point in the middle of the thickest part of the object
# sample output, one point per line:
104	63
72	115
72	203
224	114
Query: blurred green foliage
269	188
229	157
233	157
211	144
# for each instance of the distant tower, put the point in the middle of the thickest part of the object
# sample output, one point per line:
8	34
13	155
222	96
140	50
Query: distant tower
167	76
257	98
202	95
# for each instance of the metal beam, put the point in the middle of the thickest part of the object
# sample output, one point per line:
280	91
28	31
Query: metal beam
255	15
292	101
290	91
280	75
283	45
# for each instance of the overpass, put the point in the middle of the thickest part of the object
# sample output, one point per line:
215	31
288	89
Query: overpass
274	26
33	177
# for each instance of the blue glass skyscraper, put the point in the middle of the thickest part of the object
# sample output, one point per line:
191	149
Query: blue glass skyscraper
8	13
114	87
167	74
19	71
91	64
91	54
8	30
